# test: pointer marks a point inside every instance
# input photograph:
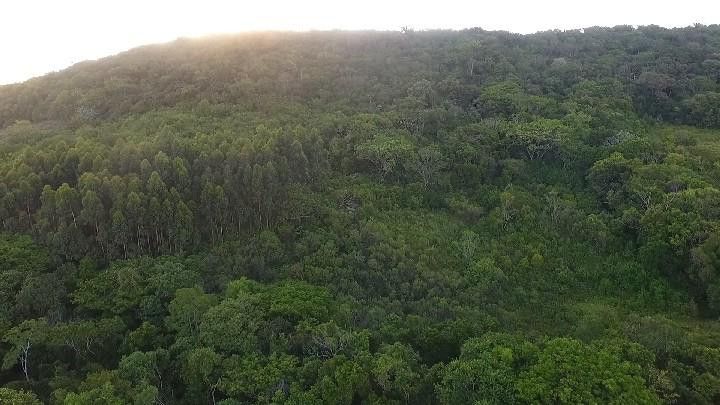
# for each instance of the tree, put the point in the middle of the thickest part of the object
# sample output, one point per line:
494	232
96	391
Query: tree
18	397
187	309
486	371
67	204
41	296
19	254
327	341
103	395
146	373
297	300
23	340
93	215
88	339
386	152
504	98
214	205
539	139
232	326
181	229
609	177
568	372
428	162
396	369
201	373
120	232
704	271
259	378
704	109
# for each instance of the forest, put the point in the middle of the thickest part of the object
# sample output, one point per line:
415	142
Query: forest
411	217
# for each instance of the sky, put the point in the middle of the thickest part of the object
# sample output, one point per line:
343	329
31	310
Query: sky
41	36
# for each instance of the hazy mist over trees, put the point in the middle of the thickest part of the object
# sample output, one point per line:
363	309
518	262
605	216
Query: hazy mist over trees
414	217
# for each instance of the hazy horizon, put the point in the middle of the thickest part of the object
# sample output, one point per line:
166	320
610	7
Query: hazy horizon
69	32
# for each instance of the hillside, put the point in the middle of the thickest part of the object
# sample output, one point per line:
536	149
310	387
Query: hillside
439	217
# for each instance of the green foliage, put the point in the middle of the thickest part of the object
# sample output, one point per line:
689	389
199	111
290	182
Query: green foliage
486	371
704	108
465	217
389	154
17	397
18	254
396	370
257	378
566	371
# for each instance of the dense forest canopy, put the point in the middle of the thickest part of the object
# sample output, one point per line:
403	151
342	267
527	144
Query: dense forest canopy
435	217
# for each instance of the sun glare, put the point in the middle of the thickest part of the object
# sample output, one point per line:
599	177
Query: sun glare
40	36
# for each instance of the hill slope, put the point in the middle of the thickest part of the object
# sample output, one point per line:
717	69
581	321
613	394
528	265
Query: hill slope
368	217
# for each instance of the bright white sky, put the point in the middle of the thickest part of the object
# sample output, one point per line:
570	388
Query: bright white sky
40	36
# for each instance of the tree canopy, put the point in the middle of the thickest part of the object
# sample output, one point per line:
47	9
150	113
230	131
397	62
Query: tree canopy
415	217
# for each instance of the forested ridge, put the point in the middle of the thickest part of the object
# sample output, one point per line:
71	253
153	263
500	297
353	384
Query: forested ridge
414	217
